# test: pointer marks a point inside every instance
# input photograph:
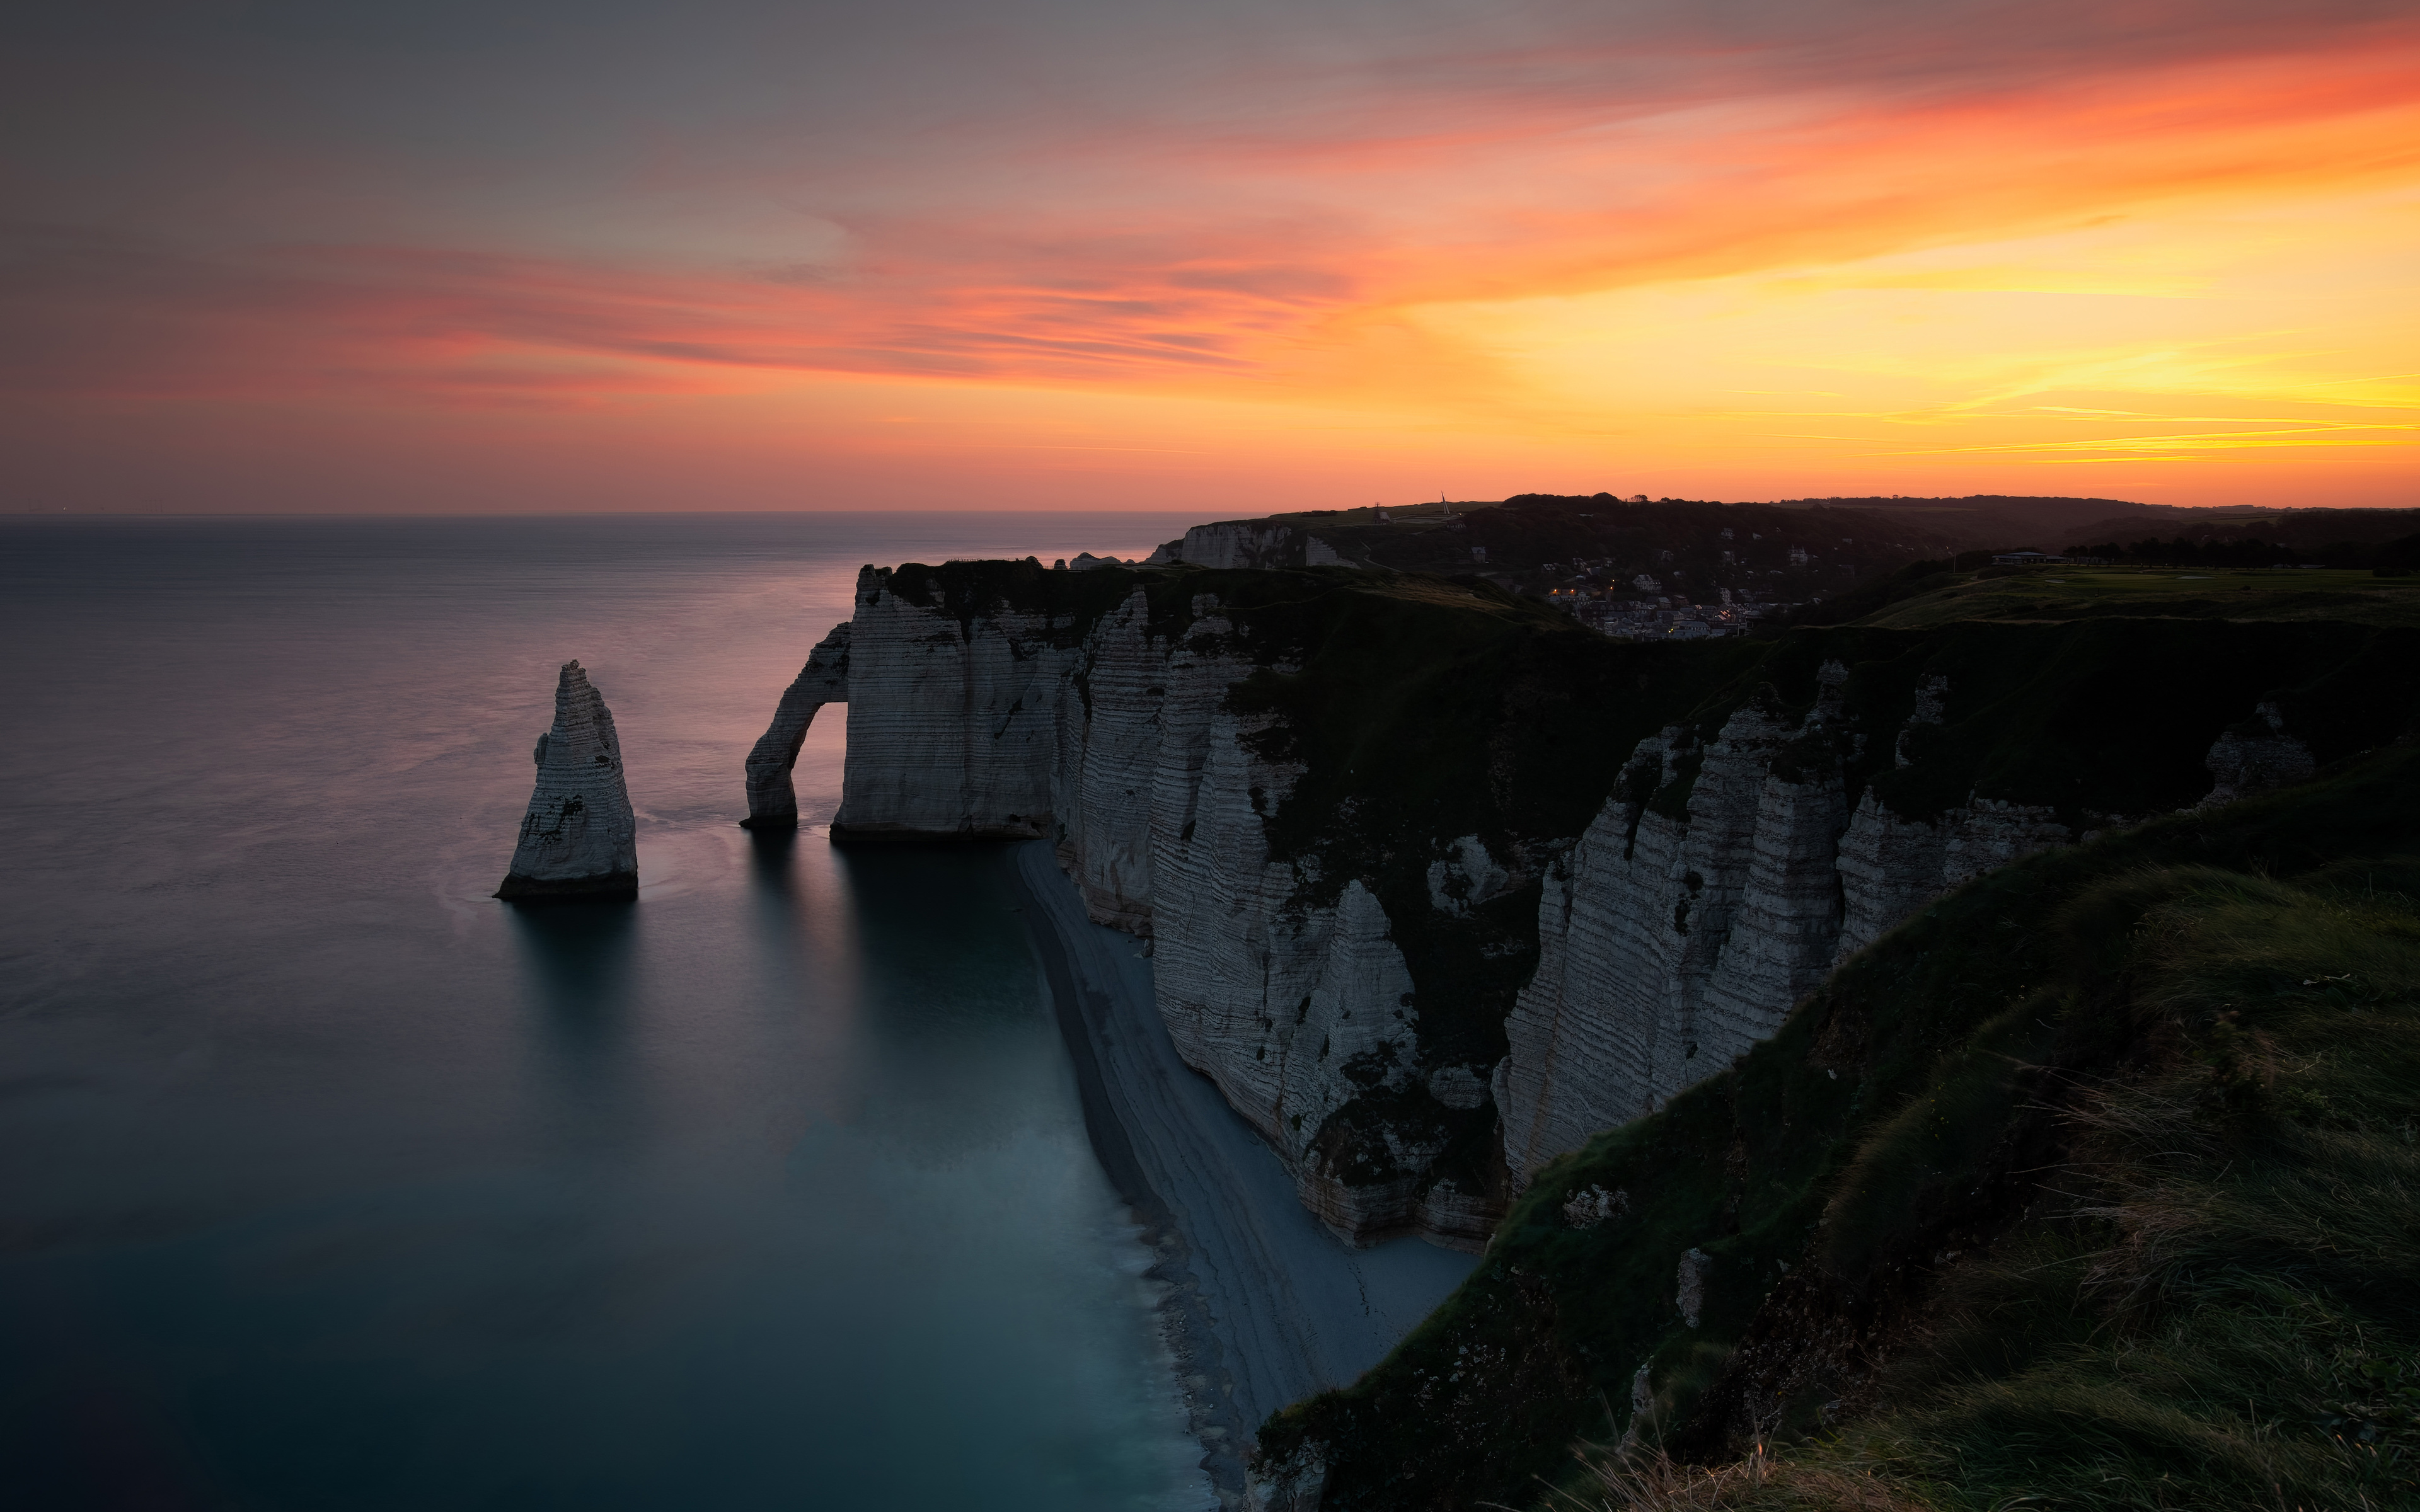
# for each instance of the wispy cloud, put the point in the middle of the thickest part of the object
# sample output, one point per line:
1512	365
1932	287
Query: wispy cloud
1387	206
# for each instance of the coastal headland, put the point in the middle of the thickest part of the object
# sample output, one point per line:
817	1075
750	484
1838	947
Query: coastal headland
1411	896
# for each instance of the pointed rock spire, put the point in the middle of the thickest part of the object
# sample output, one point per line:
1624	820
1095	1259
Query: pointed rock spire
578	838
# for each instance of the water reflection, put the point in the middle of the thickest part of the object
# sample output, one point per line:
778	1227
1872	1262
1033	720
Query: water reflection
770	853
951	1020
576	957
758	1192
578	960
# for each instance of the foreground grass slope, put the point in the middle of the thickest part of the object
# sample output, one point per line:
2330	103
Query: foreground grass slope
2094	1184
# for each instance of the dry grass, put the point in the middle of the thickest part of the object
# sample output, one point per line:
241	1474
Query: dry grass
1651	1481
2221	1306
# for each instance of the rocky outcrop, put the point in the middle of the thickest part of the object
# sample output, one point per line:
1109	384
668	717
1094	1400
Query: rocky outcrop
1722	882
1714	891
773	803
1250	543
2256	756
580	839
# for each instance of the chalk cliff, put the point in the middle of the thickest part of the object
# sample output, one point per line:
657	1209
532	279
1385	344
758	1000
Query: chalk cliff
1437	885
1675	936
1250	543
773	803
1104	720
578	838
1742	857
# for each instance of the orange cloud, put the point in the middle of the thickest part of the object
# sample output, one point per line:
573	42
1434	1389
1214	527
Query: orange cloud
1594	249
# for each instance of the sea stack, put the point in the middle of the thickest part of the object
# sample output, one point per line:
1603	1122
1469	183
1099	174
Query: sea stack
578	838
772	803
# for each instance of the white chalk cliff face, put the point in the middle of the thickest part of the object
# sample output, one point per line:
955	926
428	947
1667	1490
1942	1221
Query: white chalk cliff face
1250	543
772	803
952	725
1675	936
1116	742
1727	874
578	838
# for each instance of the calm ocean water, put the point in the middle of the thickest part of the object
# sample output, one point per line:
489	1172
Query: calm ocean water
328	1183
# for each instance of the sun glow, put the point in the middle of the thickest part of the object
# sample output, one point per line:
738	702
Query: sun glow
1666	262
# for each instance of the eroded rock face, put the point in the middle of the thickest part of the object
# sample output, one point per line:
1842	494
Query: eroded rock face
1253	543
578	838
1670	945
952	726
1116	741
1735	862
772	803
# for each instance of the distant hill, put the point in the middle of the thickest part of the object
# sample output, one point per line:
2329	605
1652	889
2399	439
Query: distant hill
1535	542
2334	537
2004	520
1788	550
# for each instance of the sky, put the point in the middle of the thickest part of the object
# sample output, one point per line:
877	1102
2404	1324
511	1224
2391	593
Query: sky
1239	256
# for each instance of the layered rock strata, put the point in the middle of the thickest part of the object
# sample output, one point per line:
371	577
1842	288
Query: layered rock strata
772	803
1115	740
1716	889
1695	911
1250	543
952	725
578	838
1355	992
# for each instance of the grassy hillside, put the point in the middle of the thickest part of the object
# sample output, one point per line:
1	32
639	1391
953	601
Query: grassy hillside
2354	597
2094	1184
2336	537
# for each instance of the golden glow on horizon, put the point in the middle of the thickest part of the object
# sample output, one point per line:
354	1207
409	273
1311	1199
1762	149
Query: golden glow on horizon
2193	283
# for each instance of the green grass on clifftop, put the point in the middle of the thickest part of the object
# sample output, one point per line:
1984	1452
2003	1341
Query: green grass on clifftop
2096	1183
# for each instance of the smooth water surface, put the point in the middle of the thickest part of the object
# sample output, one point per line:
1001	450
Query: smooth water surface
326	1181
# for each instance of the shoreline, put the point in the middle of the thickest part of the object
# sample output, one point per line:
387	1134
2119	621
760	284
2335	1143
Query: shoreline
1264	1305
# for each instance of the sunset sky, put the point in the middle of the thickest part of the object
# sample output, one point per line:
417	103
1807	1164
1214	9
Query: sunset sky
1222	255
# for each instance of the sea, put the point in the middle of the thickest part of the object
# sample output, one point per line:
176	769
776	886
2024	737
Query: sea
327	1181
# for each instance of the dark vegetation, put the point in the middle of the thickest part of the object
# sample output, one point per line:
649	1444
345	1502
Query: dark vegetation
1690	548
2331	536
2092	1185
2395	558
1992	518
